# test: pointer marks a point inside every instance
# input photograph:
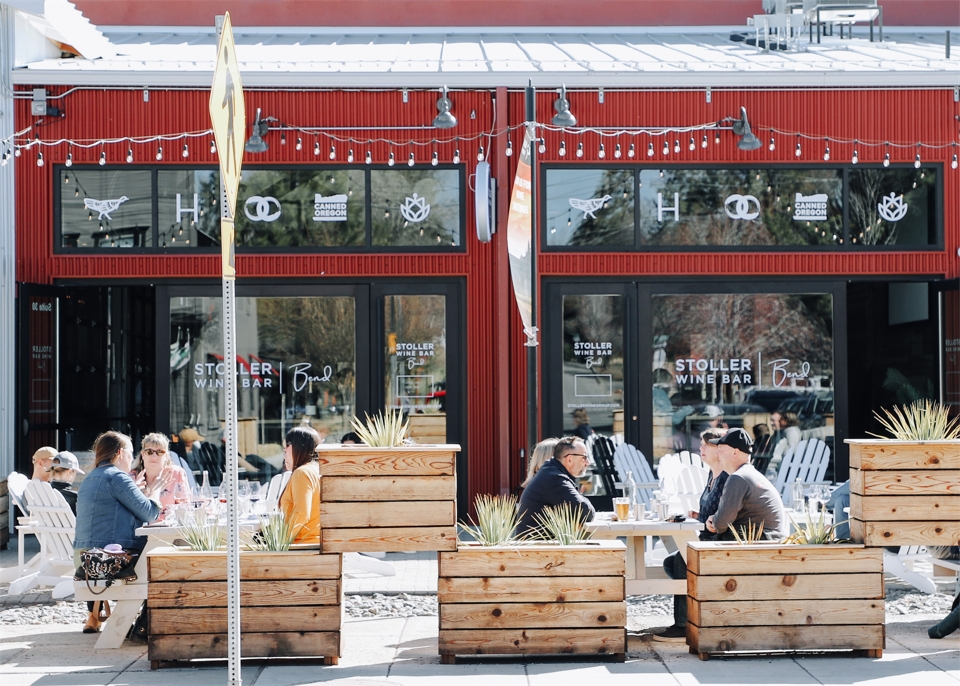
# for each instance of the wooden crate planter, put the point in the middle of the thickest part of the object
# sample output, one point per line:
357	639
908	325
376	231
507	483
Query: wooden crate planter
388	499
291	604
533	600
772	597
904	492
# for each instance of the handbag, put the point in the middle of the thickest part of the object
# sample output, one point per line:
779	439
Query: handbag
97	564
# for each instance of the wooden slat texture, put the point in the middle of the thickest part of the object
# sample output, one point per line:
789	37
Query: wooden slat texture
279	644
3	487
213	620
899	455
599	560
252	593
905	533
399	539
407	461
930	482
397	514
718	558
532	641
165	565
570	589
532	615
731	639
889	508
784	612
375	488
790	587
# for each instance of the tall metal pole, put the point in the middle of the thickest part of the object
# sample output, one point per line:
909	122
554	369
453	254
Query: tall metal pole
8	264
533	432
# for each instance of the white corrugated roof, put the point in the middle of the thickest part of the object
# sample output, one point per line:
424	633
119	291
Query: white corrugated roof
615	57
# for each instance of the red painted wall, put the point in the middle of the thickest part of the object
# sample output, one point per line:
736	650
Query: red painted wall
903	116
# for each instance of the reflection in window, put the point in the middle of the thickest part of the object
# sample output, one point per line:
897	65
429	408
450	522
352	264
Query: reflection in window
589	207
416	363
741	207
893	206
296	364
187	209
106	208
734	360
415	207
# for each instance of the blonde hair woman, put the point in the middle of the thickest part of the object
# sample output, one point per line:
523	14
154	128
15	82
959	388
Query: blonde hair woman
155	463
542	452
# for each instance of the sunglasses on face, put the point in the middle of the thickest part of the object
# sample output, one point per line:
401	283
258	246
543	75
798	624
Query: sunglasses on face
154	451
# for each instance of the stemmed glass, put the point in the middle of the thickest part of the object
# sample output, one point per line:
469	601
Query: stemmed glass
255	493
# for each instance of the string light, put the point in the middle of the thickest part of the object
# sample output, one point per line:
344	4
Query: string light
798	151
826	153
213	147
103	158
580	149
368	159
186	150
916	160
435	159
693	144
299	145
703	143
617	153
350	156
480	154
69	161
509	151
391	160
666	147
316	148
601	153
411	161
650	150
129	155
773	144
283	138
159	152
456	156
953	162
542	148
40	158
632	151
563	149
886	158
16	152
856	156
716	137
676	145
333	152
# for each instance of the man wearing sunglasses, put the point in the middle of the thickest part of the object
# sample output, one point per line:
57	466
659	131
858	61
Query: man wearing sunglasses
555	483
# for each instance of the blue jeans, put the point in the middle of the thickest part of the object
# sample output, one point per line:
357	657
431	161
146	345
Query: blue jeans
676	568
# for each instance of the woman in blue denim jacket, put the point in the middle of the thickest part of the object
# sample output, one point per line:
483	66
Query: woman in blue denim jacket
110	506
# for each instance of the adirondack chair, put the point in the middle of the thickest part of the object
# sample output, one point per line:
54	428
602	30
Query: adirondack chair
16	486
670	466
602	448
626	458
277	483
690	484
55	527
807	461
900	565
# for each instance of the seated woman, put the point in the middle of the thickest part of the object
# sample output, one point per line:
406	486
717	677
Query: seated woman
300	501
110	507
62	474
156	462
542	452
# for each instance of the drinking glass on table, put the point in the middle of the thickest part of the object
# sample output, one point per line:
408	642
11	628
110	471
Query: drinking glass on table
255	494
621	507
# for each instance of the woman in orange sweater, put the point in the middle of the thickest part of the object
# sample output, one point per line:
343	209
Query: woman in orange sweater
300	501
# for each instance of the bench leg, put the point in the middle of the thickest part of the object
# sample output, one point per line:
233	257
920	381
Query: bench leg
154	665
121	619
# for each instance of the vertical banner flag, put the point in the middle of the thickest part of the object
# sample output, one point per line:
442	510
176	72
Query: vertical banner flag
520	238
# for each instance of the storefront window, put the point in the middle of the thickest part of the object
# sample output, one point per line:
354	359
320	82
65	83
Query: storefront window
738	360
893	206
188	213
416	363
296	365
106	208
589	207
415	207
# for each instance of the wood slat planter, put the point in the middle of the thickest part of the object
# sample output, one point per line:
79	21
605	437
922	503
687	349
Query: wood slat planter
904	492
291	605
533	600
388	499
772	597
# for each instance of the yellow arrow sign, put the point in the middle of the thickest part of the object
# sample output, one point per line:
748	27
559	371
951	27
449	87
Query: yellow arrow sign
229	120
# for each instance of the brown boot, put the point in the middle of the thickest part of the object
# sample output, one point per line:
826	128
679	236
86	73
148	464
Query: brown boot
93	623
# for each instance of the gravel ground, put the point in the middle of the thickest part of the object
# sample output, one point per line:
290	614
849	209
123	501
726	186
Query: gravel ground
641	611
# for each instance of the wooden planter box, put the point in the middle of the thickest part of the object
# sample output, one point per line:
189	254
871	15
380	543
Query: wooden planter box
388	499
533	600
772	597
291	604
904	492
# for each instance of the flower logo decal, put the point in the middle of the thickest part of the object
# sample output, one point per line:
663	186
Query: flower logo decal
415	209
893	208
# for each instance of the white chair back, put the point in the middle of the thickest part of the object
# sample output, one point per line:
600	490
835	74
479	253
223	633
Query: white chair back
16	487
55	526
692	480
688	459
668	469
626	458
277	484
806	461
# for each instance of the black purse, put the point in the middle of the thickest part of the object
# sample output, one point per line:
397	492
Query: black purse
97	564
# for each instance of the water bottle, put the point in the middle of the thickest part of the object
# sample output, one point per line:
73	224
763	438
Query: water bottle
206	493
630	493
798	495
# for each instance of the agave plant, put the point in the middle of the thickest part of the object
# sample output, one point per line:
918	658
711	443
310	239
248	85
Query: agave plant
749	534
202	536
497	519
562	523
923	420
815	533
274	535
382	430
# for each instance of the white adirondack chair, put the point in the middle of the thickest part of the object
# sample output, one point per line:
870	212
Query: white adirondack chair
55	527
690	484
16	487
901	565
670	466
626	458
277	483
807	461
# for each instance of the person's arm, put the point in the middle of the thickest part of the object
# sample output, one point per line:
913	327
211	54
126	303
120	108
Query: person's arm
793	435
731	503
125	490
304	500
568	493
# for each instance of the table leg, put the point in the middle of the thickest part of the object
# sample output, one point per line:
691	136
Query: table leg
121	619
680	540
638	556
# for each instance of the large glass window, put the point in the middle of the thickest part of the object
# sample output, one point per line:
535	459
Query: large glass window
590	207
893	206
415	207
106	208
188	213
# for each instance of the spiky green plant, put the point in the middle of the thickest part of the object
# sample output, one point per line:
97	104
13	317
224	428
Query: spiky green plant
496	522
749	534
923	420
274	535
562	523
202	536
382	430
815	532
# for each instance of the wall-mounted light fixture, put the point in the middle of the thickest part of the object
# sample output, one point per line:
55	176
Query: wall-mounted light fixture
444	118
563	117
741	127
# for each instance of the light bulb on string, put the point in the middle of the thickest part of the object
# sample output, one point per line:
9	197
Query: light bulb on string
411	161
650	150
617	153
4	158
703	143
916	160
333	152
953	162
826	153
129	155
16	152
693	144
542	148
103	158
661	173
798	151
316	148
186	150
69	161
716	137
368	158
350	156
159	152
580	149
392	160
213	147
632	151
666	147
509	150
456	156
773	144
66	178
480	154
601	153
886	159
562	150
40	158
856	156
435	159
299	145
676	145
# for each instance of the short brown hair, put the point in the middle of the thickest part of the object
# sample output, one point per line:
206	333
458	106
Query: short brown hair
566	445
304	441
711	434
108	444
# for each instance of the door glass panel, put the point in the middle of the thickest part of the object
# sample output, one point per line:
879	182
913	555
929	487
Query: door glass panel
41	382
734	360
296	365
416	363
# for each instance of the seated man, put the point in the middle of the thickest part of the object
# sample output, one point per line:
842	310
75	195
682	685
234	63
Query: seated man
555	483
63	473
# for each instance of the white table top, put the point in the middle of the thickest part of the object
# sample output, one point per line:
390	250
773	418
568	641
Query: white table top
648	527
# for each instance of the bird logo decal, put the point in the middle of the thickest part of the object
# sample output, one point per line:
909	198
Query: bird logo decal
104	207
588	207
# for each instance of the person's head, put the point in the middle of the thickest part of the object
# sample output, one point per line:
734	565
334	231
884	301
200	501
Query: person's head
300	447
708	450
113	447
189	436
65	467
154	452
733	449
571	452
788	419
759	431
775	419
542	452
580	417
42	461
350	438
715	415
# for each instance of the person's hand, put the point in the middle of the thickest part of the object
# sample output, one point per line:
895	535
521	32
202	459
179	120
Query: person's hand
693	515
163	480
710	526
142	481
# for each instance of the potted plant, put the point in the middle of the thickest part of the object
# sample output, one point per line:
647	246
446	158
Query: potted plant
562	594
290	596
385	494
806	592
903	490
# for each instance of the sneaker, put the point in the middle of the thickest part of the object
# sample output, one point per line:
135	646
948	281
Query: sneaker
674	634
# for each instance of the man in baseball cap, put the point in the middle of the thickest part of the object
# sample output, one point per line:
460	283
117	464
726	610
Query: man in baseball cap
66	460
63	471
748	496
42	461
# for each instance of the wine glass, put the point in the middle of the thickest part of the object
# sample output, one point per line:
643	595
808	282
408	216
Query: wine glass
255	494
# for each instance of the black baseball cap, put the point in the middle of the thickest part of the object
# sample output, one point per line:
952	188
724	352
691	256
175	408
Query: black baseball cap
735	438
